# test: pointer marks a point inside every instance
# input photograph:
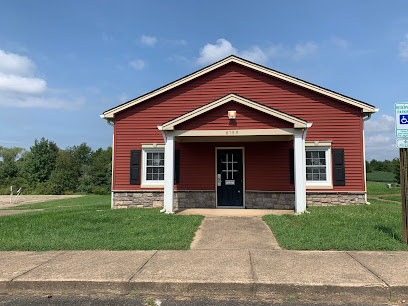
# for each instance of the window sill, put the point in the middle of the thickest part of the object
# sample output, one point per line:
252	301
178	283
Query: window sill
152	186
319	186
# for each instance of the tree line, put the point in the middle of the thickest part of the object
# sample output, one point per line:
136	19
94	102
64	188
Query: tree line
386	166
47	169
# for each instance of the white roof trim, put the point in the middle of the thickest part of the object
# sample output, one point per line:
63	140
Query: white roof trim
366	108
297	122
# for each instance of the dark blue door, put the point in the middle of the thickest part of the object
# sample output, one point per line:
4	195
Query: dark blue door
229	177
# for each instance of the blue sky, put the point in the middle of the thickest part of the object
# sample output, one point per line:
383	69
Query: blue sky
62	63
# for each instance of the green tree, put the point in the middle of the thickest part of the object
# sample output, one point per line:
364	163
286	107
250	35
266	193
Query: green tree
369	169
8	162
101	167
40	161
65	176
396	170
82	153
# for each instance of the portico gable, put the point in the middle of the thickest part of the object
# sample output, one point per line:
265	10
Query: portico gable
253	122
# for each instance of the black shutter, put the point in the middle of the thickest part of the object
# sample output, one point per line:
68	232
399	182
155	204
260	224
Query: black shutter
176	166
339	173
135	167
292	166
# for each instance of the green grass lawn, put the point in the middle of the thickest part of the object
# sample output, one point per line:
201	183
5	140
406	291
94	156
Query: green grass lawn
358	227
376	188
88	223
380	176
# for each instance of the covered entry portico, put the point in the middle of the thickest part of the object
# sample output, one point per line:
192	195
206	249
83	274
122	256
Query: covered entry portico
177	131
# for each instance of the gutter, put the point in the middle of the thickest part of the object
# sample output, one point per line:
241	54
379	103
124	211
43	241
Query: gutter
108	120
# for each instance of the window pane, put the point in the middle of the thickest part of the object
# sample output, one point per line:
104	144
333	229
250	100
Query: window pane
308	161
322	170
149	177
161	177
308	154
321	154
323	177
315	154
315	177
308	177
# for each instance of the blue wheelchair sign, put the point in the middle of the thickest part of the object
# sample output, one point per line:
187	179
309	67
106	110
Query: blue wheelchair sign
403	119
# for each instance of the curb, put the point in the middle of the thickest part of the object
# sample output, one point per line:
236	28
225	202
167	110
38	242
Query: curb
316	292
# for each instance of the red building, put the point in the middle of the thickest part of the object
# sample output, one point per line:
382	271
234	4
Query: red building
237	134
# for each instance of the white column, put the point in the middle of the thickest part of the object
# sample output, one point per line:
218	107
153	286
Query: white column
169	174
300	173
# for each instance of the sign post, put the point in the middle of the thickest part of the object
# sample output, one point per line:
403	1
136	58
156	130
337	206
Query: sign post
401	133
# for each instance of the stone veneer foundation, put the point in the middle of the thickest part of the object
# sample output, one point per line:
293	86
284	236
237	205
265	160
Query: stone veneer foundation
253	199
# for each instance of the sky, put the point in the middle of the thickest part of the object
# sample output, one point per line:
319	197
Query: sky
63	63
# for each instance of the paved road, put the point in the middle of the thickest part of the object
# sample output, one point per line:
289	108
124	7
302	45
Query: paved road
153	301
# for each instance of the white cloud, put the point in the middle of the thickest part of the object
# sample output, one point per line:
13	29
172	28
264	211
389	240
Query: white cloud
148	40
380	138
211	53
384	123
20	88
177	42
403	48
11	63
45	101
17	83
381	147
138	64
255	54
123	97
339	42
304	50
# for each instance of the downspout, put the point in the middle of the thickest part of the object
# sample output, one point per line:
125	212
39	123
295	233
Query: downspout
165	140
364	156
111	122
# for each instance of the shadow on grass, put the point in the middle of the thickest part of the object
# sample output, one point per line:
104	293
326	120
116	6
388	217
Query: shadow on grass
390	232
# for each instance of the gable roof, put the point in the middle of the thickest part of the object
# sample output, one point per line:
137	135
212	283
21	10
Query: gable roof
297	122
365	107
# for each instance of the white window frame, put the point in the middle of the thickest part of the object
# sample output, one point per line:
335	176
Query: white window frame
150	183
328	183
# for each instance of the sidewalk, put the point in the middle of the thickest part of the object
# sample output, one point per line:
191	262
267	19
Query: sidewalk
312	275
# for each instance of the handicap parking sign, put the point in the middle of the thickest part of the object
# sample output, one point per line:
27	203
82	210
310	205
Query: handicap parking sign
401	124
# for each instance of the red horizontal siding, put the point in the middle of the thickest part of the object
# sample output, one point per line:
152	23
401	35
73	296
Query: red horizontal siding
247	118
332	120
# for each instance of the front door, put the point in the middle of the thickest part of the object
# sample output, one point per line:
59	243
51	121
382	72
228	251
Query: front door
230	177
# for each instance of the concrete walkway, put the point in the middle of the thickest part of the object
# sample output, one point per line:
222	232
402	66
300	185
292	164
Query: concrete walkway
262	273
227	233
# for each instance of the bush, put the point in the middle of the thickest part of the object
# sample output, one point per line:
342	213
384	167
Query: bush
100	190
